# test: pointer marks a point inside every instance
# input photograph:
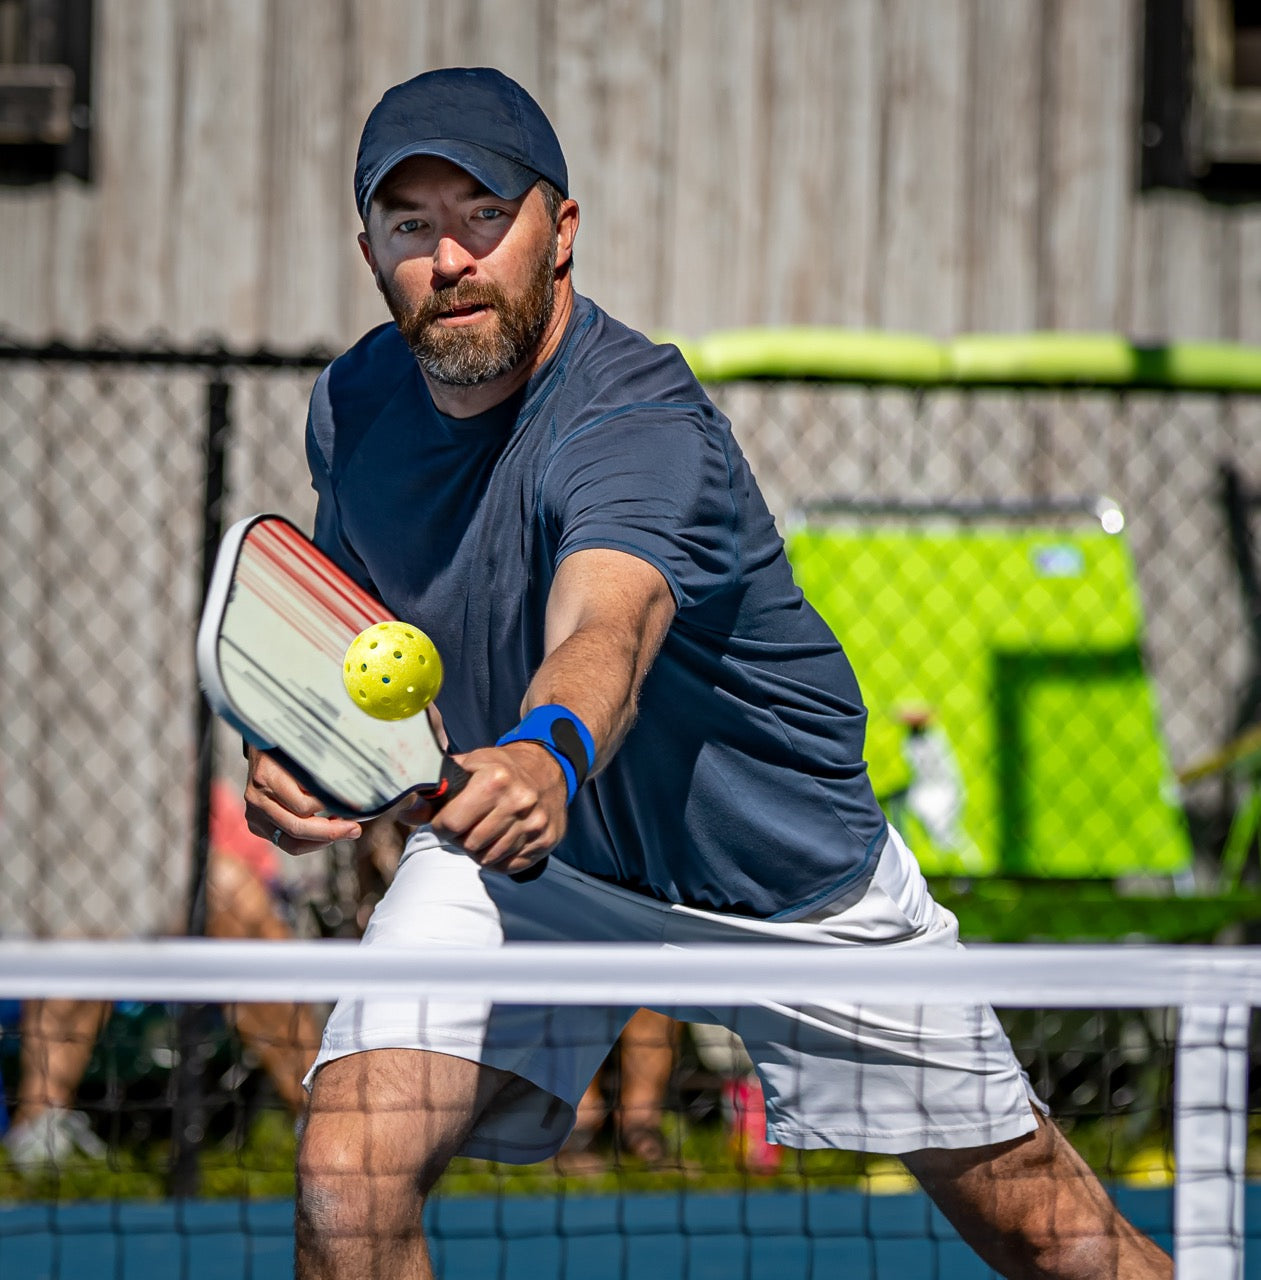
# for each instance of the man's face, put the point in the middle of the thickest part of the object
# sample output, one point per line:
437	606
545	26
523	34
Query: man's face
468	276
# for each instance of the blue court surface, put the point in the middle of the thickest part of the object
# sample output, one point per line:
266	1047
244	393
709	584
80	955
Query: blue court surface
776	1235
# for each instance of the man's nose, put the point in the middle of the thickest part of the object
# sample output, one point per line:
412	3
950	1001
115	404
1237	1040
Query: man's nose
451	260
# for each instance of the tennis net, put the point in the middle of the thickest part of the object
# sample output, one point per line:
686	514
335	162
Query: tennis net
176	1155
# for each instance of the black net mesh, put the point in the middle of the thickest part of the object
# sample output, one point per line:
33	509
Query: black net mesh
1041	668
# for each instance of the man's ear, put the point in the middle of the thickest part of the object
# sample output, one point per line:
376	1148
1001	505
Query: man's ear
365	247
566	230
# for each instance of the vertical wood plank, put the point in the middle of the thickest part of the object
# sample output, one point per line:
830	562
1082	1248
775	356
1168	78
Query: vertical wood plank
135	160
1088	162
216	206
488	33
308	162
1247	274
25	299
1183	259
612	125
820	168
74	285
920	258
1001	227
710	234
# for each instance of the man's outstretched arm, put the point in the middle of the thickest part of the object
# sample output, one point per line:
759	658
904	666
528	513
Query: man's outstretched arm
607	615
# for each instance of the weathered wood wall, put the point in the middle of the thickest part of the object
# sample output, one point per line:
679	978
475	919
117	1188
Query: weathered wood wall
943	166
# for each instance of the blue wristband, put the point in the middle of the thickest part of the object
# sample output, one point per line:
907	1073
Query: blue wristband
559	732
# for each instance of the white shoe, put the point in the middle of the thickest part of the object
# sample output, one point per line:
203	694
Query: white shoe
51	1140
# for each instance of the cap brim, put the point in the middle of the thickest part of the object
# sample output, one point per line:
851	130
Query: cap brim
499	175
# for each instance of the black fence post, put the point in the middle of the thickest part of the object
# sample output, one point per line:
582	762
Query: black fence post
189	1112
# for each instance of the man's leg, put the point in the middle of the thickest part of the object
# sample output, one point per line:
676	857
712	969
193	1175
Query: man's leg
382	1127
1031	1207
647	1062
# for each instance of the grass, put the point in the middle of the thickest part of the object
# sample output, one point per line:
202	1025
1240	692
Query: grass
262	1166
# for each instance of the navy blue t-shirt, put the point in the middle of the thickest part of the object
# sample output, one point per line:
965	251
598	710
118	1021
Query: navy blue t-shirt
741	786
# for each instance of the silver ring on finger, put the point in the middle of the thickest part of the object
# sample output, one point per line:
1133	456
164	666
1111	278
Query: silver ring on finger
276	835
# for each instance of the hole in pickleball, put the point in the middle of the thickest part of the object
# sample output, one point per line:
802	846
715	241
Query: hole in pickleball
385	679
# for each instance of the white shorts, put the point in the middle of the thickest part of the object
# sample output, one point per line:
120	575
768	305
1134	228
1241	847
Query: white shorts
888	1079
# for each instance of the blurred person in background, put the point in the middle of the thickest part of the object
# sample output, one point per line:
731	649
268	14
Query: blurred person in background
628	1096
57	1037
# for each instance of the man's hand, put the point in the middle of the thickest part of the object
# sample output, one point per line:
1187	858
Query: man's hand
512	811
282	812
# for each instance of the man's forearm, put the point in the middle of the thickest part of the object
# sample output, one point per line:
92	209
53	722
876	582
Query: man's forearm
597	675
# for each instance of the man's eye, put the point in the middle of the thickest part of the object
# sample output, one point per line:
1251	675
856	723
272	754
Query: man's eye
489	215
408	225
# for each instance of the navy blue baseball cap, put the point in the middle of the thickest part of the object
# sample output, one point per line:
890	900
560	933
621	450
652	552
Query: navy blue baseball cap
476	117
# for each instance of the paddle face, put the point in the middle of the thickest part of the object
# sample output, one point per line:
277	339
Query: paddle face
278	619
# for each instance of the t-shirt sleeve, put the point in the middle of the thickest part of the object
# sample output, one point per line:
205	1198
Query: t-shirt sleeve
654	482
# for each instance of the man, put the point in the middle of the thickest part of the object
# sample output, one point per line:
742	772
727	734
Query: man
637	688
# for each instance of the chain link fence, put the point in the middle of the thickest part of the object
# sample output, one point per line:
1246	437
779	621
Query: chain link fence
111	490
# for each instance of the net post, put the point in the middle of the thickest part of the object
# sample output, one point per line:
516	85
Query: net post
1210	1139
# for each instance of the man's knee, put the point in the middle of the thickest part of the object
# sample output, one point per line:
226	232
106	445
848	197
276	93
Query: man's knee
352	1183
382	1127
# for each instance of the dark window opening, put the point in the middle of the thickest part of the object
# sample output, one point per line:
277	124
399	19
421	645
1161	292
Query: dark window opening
45	89
1201	121
1247	60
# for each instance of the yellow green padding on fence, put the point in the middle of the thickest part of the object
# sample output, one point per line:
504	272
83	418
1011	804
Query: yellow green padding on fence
842	354
1103	360
971	360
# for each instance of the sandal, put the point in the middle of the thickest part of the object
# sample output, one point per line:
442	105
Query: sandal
646	1144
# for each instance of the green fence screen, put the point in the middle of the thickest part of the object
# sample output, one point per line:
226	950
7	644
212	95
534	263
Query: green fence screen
1013	729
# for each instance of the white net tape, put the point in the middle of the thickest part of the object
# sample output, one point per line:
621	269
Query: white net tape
621	974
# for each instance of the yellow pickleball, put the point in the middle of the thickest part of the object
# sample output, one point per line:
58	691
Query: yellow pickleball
392	670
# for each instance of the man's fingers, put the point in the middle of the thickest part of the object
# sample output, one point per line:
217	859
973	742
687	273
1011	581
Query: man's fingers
296	848
269	781
282	812
511	812
297	834
492	824
501	827
522	860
